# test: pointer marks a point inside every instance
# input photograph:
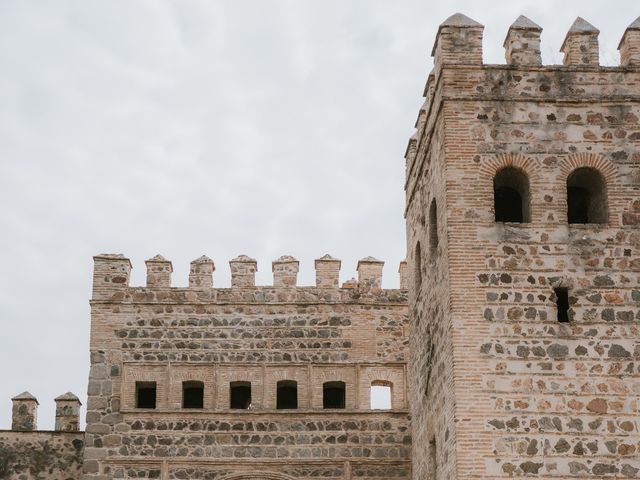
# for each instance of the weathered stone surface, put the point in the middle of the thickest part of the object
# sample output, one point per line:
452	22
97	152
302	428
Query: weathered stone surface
499	387
50	455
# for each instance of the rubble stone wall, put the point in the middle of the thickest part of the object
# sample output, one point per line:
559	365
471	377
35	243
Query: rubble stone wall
40	455
253	334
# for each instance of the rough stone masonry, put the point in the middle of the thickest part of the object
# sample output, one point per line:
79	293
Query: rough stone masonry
523	242
513	340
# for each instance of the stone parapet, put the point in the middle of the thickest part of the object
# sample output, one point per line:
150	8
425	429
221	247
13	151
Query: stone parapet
111	278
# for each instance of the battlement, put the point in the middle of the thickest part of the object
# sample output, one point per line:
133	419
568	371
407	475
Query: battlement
24	417
458	48
459	41
112	274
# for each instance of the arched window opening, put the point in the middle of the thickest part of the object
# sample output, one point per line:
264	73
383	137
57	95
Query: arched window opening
433	228
192	394
381	395
417	268
146	394
240	395
333	395
586	196
511	196
287	394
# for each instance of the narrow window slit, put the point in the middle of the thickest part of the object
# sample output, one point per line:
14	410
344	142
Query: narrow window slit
562	304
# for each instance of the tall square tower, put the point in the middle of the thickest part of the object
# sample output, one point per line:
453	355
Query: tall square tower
523	235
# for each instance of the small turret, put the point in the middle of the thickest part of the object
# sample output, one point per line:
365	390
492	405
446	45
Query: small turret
111	274
522	44
243	271
24	416
458	41
201	273
404	280
67	413
629	46
370	273
580	46
158	272
327	272
285	271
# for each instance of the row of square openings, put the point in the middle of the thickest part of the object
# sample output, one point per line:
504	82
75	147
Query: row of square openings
586	196
333	395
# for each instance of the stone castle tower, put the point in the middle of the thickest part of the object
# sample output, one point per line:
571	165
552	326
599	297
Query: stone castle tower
522	212
510	350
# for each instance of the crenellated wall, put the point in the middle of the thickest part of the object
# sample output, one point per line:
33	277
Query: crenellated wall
259	335
499	386
27	453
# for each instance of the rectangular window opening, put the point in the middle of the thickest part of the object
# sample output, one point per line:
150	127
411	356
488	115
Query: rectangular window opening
240	395
146	394
380	396
562	304
286	395
333	395
192	395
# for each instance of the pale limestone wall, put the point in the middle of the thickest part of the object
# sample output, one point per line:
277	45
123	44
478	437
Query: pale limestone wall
244	333
533	397
40	455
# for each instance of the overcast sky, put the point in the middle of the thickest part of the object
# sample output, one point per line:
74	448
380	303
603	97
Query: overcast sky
209	127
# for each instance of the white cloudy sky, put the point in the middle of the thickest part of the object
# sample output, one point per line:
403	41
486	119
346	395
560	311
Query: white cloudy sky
209	127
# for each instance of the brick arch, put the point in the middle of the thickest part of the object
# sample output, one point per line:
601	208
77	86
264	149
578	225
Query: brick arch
491	166
598	162
256	476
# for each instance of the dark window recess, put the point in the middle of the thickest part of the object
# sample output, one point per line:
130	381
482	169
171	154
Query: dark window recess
240	395
193	395
586	196
417	268
433	228
508	205
287	395
333	395
433	459
146	394
562	304
511	196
